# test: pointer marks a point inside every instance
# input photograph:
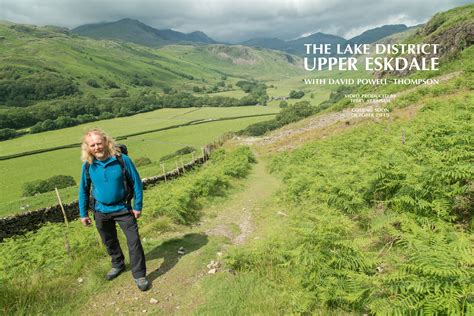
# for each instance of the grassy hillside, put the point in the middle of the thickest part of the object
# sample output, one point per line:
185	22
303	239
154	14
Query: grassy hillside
47	49
376	225
241	61
378	33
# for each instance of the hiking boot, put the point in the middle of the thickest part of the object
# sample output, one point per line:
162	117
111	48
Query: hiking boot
142	283
114	272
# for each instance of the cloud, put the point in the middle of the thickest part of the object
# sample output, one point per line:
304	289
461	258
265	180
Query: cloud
231	21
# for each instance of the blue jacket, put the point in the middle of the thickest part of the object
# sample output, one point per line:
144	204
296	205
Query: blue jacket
107	186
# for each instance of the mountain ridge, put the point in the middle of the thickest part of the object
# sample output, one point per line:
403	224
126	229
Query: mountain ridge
297	46
134	31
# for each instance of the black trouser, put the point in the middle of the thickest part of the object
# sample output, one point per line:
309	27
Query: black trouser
105	223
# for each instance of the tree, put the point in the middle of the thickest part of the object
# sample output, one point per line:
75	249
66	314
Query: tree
64	121
296	94
48	125
41	186
93	83
283	104
146	82
109	84
7	133
295	112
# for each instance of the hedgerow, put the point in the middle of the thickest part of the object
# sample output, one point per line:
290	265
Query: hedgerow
46	185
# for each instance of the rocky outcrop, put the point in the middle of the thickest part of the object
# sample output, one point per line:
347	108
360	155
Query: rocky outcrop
451	40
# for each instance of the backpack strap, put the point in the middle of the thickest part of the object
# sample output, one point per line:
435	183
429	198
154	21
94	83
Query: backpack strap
91	199
127	182
88	176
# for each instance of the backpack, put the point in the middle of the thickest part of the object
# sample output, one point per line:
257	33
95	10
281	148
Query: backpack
127	183
123	149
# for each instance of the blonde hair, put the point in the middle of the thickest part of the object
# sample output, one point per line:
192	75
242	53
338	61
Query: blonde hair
110	147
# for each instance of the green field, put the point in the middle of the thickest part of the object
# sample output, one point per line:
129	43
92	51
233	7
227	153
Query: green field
152	145
126	125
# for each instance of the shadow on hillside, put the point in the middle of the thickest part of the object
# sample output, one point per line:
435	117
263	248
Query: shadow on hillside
169	252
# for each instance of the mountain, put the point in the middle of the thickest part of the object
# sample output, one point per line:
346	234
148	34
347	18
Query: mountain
297	46
134	31
373	35
200	37
401	36
294	46
271	43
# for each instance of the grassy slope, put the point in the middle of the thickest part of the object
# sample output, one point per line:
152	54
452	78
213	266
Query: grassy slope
240	61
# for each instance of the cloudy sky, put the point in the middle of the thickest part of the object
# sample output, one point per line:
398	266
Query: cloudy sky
232	20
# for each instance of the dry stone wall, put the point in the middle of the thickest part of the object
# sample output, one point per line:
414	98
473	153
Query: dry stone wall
32	220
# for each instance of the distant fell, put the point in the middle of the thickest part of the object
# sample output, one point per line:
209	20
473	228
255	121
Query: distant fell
265	42
134	31
373	35
297	46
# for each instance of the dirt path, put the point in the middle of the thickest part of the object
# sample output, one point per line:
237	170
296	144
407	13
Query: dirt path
174	276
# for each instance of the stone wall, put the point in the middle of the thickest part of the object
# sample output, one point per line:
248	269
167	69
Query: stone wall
32	220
